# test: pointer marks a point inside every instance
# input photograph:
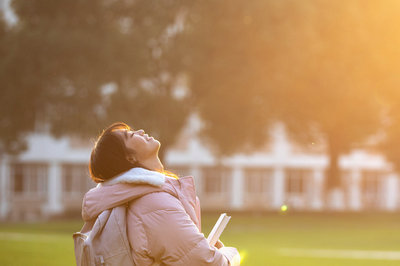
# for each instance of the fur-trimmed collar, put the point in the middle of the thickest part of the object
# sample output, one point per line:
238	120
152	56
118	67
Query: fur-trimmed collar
137	175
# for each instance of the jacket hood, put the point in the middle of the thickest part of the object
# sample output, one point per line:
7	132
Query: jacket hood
109	194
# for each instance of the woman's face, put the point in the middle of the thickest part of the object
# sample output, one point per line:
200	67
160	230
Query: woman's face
143	146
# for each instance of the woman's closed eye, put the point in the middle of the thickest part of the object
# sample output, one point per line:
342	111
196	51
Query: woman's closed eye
140	132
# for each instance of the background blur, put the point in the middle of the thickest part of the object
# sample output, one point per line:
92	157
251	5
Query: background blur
285	112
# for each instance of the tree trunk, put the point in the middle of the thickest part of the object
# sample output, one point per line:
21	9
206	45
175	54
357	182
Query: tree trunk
333	194
333	174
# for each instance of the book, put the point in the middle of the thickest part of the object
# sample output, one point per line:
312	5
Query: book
218	229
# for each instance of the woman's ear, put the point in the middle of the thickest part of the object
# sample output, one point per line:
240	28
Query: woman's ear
131	159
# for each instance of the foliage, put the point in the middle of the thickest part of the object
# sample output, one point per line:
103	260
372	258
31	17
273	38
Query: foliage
316	65
227	51
325	69
77	66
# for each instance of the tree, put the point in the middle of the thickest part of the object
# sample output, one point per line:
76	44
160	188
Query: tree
387	43
223	51
336	82
311	64
77	66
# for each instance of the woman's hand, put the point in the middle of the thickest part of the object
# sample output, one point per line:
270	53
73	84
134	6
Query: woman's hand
219	244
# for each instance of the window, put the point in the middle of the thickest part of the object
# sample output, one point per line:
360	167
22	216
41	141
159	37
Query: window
257	181
257	188
29	179
296	180
215	180
370	183
75	179
18	178
370	186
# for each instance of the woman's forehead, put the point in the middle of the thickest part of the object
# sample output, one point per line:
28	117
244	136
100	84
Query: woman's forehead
122	132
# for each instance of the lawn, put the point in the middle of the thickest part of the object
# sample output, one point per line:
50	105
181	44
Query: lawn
269	239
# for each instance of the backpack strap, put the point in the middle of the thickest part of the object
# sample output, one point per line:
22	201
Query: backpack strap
87	226
99	224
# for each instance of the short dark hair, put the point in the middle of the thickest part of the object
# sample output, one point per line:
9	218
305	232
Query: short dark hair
109	154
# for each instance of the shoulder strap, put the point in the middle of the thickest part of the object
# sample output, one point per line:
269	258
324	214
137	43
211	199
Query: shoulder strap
99	224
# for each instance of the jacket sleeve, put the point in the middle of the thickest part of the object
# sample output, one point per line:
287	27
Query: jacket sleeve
105	197
173	238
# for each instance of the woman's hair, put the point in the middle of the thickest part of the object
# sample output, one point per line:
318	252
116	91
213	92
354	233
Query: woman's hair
109	154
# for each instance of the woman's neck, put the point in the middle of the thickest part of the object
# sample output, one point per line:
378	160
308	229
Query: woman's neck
153	164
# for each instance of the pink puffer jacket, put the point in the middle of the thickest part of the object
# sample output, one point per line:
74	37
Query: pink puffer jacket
163	219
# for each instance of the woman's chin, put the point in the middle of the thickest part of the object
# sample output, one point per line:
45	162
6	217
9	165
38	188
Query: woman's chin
158	145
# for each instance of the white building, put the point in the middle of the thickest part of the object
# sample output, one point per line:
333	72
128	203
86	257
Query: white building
51	177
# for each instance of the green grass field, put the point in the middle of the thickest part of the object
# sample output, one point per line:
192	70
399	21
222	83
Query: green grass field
270	239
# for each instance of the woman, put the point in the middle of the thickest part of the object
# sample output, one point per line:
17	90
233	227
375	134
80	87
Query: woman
163	212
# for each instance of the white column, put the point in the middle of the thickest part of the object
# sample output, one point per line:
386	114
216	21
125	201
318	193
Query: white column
278	189
4	188
355	190
237	188
390	192
54	204
317	191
